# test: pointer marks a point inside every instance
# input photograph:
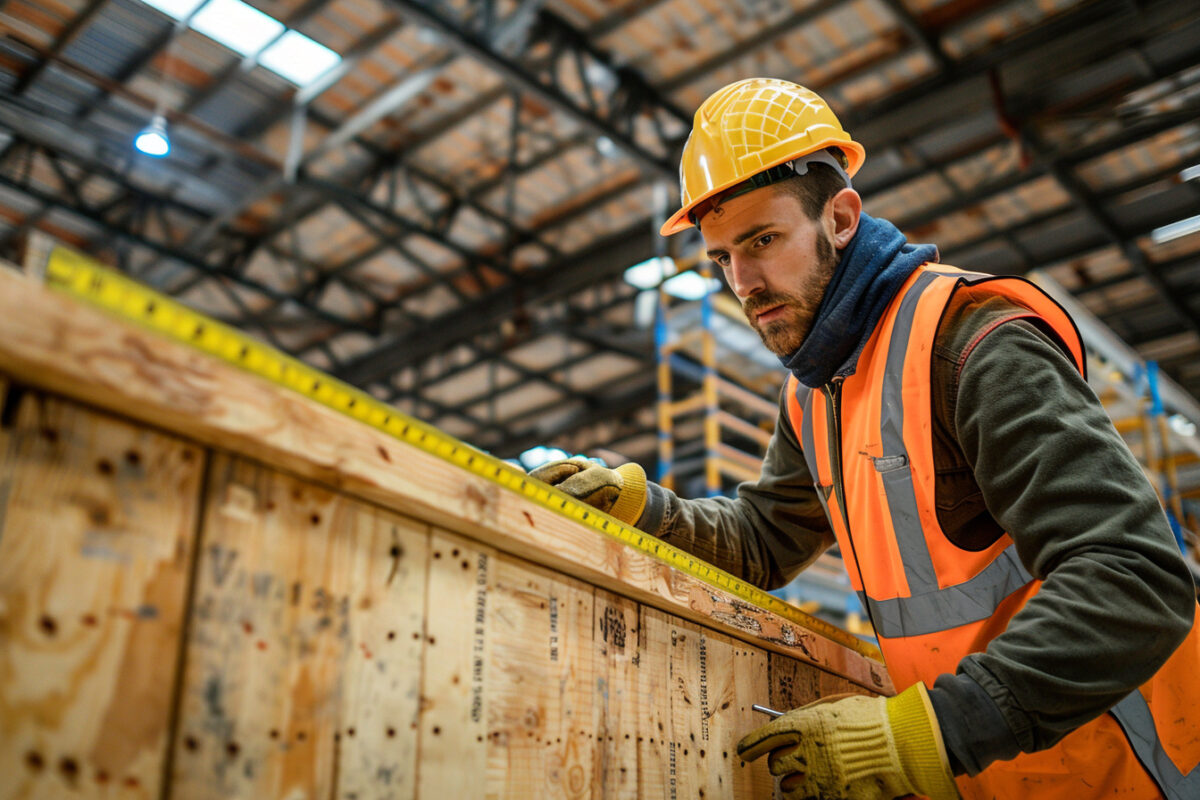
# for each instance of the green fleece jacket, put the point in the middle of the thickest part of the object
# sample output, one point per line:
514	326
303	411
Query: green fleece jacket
1021	444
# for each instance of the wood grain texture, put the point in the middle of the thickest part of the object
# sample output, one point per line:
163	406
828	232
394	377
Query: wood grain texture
97	519
616	638
540	684
302	674
454	702
54	342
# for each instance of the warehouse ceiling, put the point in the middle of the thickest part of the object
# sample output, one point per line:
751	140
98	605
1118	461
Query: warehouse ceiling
443	216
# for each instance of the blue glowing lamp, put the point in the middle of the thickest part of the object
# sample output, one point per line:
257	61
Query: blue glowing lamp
153	139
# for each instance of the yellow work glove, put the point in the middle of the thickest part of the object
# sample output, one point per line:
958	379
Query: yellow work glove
857	748
620	492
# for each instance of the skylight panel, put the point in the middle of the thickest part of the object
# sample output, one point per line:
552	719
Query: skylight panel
175	9
298	58
240	27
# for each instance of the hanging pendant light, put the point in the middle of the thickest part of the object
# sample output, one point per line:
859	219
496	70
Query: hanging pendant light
153	139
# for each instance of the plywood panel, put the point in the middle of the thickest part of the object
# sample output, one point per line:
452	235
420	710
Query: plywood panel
97	519
540	684
615	646
455	702
794	684
656	773
302	670
56	343
713	685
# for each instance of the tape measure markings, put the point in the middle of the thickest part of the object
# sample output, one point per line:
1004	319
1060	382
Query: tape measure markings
85	279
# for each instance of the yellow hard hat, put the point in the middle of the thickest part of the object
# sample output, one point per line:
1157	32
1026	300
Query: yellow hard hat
748	127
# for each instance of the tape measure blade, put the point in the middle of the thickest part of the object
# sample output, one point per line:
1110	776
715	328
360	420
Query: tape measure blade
85	279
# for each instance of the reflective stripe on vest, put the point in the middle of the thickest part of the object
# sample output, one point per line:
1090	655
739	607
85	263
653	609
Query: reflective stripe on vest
928	609
1133	715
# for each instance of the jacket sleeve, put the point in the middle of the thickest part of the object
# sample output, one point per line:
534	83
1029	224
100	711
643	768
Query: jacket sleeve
773	529
1117	598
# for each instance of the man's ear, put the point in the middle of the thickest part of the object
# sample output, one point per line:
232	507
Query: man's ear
845	207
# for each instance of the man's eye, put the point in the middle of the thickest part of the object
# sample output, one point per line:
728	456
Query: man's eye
722	261
766	239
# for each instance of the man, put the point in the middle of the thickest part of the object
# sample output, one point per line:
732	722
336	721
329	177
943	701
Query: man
1029	599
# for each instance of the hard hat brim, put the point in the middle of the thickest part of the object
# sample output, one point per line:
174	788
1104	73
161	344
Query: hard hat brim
680	221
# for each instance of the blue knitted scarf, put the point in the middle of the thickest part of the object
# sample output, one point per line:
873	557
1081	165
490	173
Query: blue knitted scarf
872	268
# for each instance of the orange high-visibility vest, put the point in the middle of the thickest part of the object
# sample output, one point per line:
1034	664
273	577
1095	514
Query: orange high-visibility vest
869	447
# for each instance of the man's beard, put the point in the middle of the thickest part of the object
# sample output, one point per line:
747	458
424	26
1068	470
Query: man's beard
785	334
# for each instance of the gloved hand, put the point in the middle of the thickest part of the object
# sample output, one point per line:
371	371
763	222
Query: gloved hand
620	492
857	748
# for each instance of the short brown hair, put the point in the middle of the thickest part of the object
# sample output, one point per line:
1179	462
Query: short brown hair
813	189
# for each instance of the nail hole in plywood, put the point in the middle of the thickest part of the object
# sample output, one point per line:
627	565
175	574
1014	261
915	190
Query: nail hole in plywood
315	518
48	625
191	743
34	761
105	467
232	749
69	768
133	457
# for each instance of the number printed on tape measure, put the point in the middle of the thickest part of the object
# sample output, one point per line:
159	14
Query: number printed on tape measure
83	278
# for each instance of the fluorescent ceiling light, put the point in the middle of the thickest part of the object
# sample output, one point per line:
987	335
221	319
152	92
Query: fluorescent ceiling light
1176	230
1190	173
176	9
240	27
691	285
650	273
298	58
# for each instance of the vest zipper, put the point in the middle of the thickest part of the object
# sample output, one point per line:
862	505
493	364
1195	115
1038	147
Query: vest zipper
833	424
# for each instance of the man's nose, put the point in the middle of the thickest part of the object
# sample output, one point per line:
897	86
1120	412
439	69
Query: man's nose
745	279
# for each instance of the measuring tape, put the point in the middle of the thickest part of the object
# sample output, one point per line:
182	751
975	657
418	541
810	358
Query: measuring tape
78	276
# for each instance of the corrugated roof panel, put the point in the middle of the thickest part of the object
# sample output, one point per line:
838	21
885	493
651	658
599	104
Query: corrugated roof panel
470	383
1009	18
603	220
546	351
908	199
339	25
118	36
38	21
1178	147
521	399
330	235
1100	265
241	100
985	167
1039	197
